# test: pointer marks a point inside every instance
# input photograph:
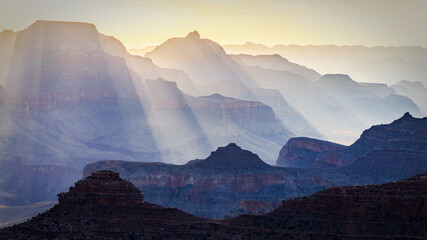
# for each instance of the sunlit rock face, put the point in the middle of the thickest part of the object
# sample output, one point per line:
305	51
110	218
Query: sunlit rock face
233	181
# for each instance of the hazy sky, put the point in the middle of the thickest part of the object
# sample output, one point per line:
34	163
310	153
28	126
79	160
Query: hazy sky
138	23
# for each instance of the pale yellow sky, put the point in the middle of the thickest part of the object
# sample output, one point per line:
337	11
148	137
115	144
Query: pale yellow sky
139	23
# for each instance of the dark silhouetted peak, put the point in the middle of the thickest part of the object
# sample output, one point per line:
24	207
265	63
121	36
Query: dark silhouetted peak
407	122
193	35
103	187
232	158
407	115
231	148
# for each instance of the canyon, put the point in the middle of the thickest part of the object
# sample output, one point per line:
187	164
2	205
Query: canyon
71	96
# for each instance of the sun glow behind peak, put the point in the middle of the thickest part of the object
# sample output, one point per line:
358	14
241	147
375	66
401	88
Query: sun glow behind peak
144	23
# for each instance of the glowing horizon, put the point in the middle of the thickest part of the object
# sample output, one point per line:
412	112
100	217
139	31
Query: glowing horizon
142	23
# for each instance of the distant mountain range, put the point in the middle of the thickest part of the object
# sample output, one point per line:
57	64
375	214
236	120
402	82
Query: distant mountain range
104	206
364	64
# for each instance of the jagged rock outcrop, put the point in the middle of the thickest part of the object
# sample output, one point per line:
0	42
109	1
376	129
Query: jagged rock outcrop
103	206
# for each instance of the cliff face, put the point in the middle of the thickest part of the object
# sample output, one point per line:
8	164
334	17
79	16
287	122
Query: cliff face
104	206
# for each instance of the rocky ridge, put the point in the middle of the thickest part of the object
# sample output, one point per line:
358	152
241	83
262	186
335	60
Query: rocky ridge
108	207
398	135
394	210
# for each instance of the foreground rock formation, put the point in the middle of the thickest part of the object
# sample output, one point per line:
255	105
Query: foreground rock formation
394	210
232	181
104	206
